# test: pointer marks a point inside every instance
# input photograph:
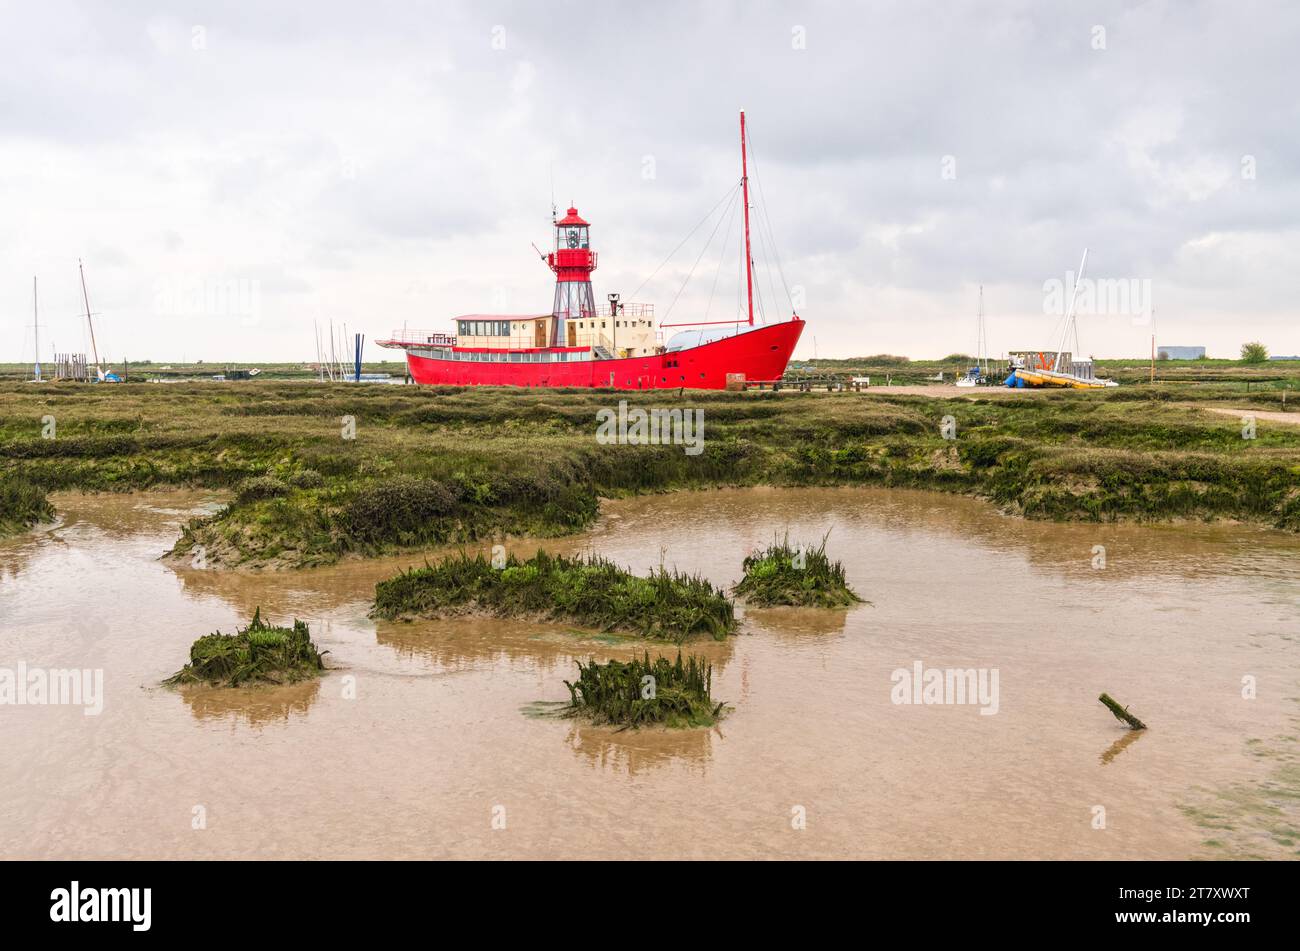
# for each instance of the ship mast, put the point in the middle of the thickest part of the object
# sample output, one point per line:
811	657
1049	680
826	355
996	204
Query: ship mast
86	297
1070	318
36	333
749	261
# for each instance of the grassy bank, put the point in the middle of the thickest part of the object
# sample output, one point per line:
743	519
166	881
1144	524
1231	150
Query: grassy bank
589	591
436	465
642	692
260	653
174	371
783	574
22	504
901	371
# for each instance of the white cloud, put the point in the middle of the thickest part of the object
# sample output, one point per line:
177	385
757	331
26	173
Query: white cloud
383	165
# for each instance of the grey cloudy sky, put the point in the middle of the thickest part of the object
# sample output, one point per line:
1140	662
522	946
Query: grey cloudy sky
387	164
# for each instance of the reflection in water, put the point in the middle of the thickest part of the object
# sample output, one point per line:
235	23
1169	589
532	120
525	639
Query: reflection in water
1119	746
633	752
796	623
255	705
459	643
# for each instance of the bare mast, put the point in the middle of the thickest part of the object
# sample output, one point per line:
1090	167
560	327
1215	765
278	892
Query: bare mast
90	323
749	261
1070	317
36	333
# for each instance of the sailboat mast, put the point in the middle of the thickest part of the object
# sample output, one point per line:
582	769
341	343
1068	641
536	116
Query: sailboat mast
749	261
1153	344
36	333
90	323
1069	317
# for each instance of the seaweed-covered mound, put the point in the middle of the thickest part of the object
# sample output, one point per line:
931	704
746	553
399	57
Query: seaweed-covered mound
643	692
22	505
802	577
260	653
586	590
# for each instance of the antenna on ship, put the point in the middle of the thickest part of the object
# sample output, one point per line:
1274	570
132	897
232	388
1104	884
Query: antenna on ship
554	210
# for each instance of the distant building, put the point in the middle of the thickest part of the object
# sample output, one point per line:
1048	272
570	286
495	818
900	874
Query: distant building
1285	358
1181	353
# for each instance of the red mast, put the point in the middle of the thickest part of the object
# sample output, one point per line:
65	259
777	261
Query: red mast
749	261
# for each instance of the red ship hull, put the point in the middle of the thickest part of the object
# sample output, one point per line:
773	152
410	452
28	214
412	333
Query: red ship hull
758	354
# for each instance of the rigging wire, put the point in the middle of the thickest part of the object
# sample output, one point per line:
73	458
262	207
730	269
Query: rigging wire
740	282
684	240
691	272
772	233
722	254
776	299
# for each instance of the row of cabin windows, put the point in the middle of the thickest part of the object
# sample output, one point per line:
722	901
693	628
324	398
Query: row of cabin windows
483	328
501	328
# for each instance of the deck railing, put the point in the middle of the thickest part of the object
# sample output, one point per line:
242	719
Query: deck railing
628	310
428	337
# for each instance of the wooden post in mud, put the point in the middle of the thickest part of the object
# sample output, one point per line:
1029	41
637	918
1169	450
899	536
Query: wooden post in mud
1121	713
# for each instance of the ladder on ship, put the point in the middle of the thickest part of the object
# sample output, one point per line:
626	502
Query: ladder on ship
601	353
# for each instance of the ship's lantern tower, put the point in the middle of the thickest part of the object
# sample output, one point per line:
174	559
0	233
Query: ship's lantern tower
572	261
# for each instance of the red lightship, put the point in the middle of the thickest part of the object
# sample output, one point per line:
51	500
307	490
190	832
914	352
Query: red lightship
577	344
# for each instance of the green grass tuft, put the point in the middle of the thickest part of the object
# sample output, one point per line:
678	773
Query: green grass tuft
784	574
585	590
642	692
260	653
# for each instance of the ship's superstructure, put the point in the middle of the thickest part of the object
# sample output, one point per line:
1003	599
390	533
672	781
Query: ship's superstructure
615	344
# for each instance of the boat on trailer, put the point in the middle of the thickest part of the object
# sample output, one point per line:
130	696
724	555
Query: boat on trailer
1060	370
616	345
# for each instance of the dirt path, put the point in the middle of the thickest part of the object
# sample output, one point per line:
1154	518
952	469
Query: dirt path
938	389
1292	418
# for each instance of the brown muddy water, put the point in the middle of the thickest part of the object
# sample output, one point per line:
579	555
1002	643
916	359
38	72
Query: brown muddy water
417	744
